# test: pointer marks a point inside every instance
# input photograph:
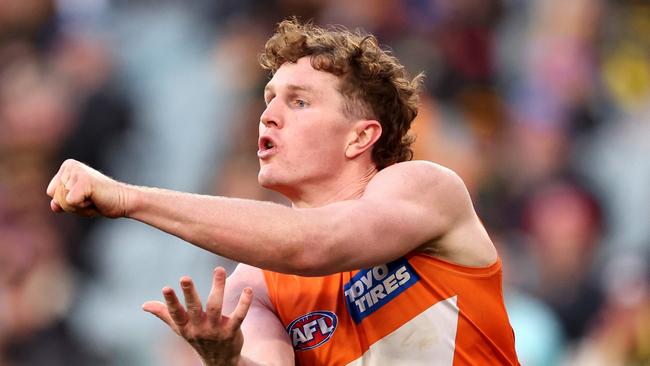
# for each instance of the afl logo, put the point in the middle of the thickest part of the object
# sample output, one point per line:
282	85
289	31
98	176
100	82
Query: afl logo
312	330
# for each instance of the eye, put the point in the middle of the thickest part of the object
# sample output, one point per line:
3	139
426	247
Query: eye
300	103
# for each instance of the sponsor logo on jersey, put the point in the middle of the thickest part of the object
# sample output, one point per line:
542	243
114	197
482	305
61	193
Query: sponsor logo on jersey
370	289
312	330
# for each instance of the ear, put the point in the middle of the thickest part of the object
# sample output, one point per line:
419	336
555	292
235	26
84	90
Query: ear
364	135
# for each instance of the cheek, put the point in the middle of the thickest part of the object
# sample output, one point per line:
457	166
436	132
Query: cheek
321	141
326	149
318	145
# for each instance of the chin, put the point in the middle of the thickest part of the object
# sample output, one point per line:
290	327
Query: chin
264	183
273	182
265	178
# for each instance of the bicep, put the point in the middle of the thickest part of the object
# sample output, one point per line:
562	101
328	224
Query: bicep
265	340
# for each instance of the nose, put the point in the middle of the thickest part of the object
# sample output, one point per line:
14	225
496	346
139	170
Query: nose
271	115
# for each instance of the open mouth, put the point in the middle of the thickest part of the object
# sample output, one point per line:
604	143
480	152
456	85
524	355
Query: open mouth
265	145
268	144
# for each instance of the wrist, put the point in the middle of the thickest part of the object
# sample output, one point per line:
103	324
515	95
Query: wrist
219	360
130	198
224	363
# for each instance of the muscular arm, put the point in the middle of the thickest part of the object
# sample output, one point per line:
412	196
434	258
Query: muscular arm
404	207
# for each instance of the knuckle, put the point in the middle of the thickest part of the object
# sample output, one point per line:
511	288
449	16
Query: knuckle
192	308
195	336
213	309
175	314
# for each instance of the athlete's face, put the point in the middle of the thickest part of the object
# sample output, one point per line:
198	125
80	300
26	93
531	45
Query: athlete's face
303	131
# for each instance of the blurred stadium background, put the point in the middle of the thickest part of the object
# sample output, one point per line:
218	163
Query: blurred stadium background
542	106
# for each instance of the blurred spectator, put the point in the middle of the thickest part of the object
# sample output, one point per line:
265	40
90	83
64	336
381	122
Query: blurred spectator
102	117
31	21
37	280
37	288
621	335
563	221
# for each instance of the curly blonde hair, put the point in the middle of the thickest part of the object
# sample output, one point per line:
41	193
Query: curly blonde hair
374	83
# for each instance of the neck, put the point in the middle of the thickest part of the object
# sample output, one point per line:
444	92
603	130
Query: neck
345	187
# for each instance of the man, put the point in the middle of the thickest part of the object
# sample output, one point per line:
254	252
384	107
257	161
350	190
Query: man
380	261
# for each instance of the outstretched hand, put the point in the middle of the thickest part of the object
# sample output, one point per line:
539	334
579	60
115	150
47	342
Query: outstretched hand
216	338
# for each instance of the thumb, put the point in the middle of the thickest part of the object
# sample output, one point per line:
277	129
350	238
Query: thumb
158	309
60	196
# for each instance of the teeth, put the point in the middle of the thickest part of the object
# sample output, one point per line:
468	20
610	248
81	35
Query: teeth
268	144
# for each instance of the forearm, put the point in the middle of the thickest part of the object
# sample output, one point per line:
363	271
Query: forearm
262	234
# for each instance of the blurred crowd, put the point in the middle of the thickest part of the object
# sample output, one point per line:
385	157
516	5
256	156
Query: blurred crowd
541	106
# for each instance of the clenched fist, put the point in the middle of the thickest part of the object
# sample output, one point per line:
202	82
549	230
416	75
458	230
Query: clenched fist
79	189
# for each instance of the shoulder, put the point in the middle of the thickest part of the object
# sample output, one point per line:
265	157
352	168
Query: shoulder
438	192
419	176
444	207
422	169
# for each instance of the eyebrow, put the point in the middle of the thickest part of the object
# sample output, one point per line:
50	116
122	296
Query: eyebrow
291	87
